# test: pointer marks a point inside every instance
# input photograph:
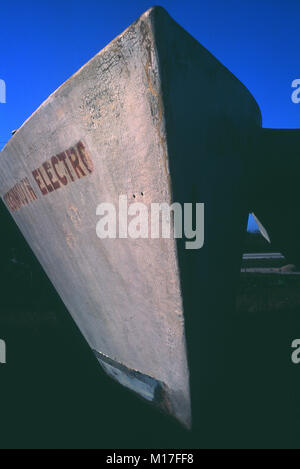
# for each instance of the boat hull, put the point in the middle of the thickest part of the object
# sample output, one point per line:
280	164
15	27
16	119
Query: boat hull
156	118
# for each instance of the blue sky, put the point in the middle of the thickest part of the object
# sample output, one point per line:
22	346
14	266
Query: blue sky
42	43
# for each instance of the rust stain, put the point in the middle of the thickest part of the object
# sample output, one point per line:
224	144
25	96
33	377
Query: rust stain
60	112
74	215
159	100
70	240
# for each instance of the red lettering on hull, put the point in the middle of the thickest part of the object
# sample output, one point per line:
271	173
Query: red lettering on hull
20	195
58	172
64	168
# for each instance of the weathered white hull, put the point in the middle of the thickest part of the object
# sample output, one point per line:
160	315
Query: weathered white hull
113	130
